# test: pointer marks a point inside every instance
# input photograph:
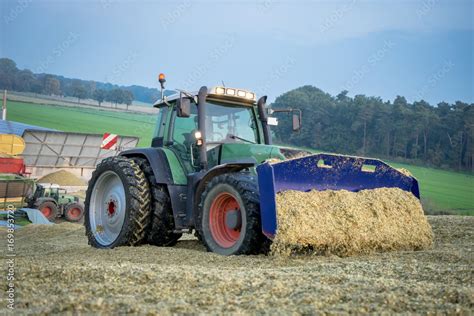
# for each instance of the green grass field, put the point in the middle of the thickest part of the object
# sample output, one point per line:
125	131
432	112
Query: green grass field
442	191
85	120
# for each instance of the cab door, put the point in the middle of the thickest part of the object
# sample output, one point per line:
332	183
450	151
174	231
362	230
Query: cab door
181	139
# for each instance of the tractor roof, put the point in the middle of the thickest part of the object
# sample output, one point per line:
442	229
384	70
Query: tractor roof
226	94
160	103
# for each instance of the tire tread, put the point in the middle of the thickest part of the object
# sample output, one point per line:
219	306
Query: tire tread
139	201
160	232
245	184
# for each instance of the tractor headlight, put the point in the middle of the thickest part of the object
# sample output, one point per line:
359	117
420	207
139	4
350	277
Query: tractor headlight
198	137
222	92
241	93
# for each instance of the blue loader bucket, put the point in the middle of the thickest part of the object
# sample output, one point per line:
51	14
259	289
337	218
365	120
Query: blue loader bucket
324	172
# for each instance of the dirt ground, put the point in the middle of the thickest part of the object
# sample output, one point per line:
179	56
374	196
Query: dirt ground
57	272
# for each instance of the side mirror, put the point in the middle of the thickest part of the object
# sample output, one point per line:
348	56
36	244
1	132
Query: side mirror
296	121
183	106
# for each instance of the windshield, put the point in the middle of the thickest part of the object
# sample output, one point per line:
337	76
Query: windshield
230	124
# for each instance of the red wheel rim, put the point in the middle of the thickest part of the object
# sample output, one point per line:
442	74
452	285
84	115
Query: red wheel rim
46	210
74	213
223	235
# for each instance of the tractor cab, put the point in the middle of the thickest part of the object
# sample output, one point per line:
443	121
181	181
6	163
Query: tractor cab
228	126
57	193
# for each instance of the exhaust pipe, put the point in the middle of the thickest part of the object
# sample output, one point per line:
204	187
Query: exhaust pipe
263	117
202	126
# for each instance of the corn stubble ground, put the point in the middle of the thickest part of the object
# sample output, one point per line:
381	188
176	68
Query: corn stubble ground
57	272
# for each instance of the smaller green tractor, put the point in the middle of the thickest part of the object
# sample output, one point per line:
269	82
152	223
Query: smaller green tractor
54	202
19	191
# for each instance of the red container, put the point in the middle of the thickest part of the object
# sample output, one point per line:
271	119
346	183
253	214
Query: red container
12	165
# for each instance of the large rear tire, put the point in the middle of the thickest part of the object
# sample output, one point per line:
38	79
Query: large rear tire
161	230
117	206
228	218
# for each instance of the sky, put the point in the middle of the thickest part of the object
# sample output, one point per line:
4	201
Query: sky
418	49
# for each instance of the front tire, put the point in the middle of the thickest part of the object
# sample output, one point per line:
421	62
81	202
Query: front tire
229	215
117	205
73	212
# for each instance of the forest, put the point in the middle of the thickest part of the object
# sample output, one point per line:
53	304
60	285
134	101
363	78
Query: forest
421	133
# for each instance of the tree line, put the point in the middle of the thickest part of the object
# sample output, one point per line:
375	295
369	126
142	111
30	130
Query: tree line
440	136
12	78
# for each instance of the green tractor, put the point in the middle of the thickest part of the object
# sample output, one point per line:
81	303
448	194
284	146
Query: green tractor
19	191
54	202
207	171
197	175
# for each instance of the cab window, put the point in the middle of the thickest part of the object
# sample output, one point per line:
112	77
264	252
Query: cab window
229	123
184	128
160	122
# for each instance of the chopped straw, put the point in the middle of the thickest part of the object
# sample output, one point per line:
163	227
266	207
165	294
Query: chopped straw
405	172
62	177
346	223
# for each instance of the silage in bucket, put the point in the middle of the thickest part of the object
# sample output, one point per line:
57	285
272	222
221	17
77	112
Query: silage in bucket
347	223
341	205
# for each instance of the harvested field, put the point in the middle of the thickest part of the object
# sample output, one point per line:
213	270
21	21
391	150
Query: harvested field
347	223
57	272
62	177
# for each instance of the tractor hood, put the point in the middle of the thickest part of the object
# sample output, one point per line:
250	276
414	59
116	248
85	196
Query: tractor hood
255	153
